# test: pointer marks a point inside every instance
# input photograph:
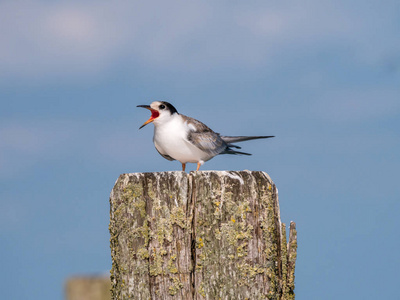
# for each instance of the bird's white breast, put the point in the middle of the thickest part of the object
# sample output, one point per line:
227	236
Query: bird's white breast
170	138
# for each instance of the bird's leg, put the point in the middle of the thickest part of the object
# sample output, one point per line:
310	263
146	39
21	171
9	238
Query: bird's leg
198	166
183	167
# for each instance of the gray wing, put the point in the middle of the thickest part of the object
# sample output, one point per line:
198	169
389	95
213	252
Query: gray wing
204	138
209	142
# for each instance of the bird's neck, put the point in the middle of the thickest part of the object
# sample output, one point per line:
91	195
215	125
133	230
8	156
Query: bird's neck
171	121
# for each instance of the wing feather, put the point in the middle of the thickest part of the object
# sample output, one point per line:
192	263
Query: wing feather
204	138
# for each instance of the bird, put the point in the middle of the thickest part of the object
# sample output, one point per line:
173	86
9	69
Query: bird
187	140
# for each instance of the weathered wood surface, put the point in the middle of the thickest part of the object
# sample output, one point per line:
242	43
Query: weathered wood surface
203	235
88	288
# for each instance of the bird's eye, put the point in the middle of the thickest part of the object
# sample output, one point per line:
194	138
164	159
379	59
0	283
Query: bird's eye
162	106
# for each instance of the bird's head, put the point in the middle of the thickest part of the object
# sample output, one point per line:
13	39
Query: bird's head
161	111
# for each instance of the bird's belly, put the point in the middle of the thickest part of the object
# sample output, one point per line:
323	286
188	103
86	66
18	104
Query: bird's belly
180	149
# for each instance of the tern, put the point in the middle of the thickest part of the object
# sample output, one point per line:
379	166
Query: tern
178	137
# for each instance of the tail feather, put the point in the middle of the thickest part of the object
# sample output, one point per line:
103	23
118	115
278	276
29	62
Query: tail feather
235	139
230	151
234	146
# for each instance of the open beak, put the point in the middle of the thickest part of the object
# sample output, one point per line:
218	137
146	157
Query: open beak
154	115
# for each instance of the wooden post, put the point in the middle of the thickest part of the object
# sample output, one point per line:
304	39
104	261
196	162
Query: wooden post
203	235
88	288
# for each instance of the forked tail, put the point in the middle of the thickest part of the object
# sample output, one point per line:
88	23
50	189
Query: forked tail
234	139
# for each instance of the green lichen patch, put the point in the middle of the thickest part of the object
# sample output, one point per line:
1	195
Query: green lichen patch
140	205
175	287
199	243
201	289
132	191
247	272
156	262
216	232
172	269
143	253
178	217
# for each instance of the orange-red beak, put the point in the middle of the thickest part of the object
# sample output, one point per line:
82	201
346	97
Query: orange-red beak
154	115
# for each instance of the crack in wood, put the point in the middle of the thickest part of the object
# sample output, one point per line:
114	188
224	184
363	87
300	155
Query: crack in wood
203	235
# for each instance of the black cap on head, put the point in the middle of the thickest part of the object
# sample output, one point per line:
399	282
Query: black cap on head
171	108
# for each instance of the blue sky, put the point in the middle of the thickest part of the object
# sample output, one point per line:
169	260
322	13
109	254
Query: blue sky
322	76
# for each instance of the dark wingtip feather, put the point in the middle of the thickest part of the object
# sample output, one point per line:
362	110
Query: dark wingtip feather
230	151
234	146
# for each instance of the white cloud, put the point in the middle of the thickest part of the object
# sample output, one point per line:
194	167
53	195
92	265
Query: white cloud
41	39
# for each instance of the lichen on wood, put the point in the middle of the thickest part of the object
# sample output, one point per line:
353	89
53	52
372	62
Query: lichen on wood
203	235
